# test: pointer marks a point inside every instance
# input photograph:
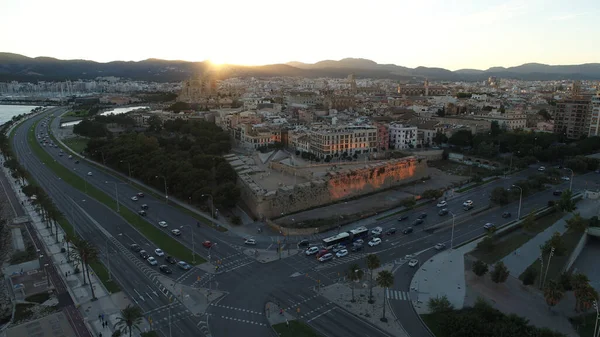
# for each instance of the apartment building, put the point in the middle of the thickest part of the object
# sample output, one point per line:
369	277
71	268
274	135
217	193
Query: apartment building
594	129
572	117
508	121
383	136
402	136
253	137
350	139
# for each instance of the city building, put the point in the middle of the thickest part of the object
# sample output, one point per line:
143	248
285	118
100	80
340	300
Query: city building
594	129
350	139
383	136
424	90
198	89
572	117
254	137
403	136
507	121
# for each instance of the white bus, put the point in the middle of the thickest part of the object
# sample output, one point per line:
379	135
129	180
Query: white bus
332	241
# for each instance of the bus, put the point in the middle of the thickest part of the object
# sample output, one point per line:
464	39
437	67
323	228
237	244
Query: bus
359	233
333	241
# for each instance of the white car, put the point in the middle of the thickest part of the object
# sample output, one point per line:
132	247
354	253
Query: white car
184	265
376	231
152	261
134	198
542	169
342	253
374	242
468	203
442	203
326	257
163	224
159	252
413	263
250	242
312	250
565	178
440	246
409	256
90	174
176	232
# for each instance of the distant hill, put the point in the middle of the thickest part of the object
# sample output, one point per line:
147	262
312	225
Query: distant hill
15	67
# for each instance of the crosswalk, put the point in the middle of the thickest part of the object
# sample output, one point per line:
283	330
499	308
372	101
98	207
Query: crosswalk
397	295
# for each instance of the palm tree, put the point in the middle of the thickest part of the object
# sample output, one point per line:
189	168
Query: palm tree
68	239
131	317
553	293
385	279
372	264
585	298
87	253
579	282
355	274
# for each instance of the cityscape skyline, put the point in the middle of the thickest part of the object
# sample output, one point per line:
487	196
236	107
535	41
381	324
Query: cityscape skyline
482	34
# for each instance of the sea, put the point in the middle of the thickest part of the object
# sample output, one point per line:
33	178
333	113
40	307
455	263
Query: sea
7	112
116	111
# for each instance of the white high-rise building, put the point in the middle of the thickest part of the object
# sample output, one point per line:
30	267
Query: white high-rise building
402	136
594	129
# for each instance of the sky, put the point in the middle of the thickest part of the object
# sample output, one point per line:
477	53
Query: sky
452	34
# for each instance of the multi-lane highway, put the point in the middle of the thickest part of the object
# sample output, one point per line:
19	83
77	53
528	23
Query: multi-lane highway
247	284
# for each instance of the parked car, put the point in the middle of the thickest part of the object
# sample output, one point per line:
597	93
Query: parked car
152	261
407	230
176	232
159	252
443	211
165	269
170	259
326	257
163	224
440	246
489	226
413	263
184	265
506	215
312	250
442	203
342	253
143	254
375	242
391	231
403	217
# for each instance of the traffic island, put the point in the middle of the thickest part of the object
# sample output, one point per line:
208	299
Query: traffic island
284	323
266	256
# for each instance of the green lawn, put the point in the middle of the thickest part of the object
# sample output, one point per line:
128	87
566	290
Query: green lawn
516	239
77	144
295	329
154	234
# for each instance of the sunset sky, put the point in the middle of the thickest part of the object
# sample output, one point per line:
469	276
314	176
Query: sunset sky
452	34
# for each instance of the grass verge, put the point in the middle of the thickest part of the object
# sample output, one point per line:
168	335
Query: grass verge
169	245
516	239
468	188
77	144
295	329
557	262
432	322
584	325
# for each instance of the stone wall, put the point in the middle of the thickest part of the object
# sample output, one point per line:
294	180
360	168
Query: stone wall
334	187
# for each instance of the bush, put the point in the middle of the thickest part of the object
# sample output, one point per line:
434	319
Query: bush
480	268
236	220
486	245
440	304
500	273
529	276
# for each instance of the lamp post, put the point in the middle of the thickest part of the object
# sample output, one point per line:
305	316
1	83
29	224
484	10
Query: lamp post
571	182
548	266
212	204
108	260
116	193
47	274
541	258
452	235
520	201
166	191
128	168
597	318
194	245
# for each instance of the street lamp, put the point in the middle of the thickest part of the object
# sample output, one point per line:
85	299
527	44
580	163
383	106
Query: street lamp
47	274
116	193
194	245
597	318
520	200
212	204
166	191
571	182
128	168
548	266
452	235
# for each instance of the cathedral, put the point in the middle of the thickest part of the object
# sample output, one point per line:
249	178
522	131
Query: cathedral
198	89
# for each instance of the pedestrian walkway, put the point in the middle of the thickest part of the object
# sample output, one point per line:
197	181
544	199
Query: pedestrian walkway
398	295
525	255
276	314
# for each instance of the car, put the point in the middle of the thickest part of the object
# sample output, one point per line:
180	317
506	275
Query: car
134	198
184	265
417	222
159	252
250	242
144	254
468	207
358	242
407	230
443	211
375	242
557	192
565	178
142	212
89	174
440	246
144	206
163	224
342	253
140	194
409	256
207	244
468	203
541	169
176	232
326	257
152	261
165	269
303	243
442	203
403	217
322	252
489	226
506	215
356	248
422	216
376	231
391	231
70	157
135	247
77	162
60	154
170	259
312	250
413	263
339	247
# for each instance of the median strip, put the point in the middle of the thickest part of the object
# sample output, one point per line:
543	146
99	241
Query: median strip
170	245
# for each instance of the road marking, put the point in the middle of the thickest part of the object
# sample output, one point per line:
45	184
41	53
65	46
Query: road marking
243	321
321	314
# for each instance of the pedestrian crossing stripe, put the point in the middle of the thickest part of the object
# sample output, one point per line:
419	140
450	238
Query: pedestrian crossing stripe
397	295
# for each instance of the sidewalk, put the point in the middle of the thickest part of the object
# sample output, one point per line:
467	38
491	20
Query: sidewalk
276	314
107	307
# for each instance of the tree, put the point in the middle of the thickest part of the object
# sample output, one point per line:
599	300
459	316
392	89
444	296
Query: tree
131	318
557	242
68	239
385	279
487	244
355	274
439	304
579	282
500	273
440	138
87	253
461	138
544	113
566	202
155	124
585	297
553	293
373	263
565	281
480	268
577	223
529	276
529	222
500	196
432	194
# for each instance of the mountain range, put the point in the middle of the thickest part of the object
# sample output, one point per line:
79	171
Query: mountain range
15	67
